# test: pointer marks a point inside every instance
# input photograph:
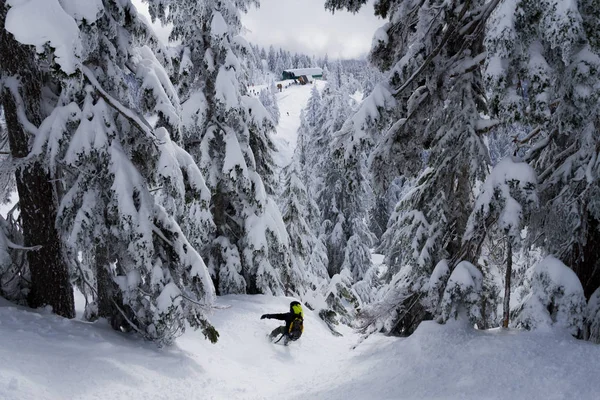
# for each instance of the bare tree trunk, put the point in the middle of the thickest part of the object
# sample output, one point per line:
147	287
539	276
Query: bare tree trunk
585	259
50	283
110	300
506	310
104	283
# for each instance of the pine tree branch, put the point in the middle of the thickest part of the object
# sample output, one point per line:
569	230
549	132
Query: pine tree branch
13	86
15	246
449	33
407	310
531	135
481	20
568	152
539	146
159	233
140	123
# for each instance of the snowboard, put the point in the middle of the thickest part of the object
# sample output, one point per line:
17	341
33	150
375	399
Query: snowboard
283	342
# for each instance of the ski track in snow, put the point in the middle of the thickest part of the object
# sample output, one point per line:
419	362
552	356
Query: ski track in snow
43	356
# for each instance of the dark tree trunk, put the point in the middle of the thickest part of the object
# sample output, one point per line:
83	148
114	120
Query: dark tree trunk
104	283
585	260
110	301
49	273
506	306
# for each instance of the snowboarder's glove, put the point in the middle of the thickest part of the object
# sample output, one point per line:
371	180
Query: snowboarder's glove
263	316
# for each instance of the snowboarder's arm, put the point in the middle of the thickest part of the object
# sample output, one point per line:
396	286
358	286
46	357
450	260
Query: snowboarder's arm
281	317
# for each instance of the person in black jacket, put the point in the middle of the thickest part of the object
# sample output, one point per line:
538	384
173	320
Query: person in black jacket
295	312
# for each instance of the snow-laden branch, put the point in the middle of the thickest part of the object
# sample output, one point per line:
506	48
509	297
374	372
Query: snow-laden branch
129	114
15	246
434	53
568	152
449	33
13	85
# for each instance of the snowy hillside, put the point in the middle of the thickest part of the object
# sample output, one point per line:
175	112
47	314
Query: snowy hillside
47	357
291	100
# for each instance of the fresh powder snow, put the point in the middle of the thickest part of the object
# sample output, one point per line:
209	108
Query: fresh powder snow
47	357
48	22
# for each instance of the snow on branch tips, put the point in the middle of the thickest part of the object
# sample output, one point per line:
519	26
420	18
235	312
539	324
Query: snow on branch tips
556	299
463	293
506	197
44	22
140	123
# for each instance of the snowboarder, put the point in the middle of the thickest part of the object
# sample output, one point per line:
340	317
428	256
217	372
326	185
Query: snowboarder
294	323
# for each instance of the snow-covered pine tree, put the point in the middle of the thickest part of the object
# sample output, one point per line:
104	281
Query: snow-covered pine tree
229	138
352	144
432	53
268	100
313	108
328	169
295	209
272	59
21	93
309	152
503	206
343	196
543	69
342	300
317	262
125	184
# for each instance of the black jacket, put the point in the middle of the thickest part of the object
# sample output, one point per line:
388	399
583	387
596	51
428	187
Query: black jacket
287	317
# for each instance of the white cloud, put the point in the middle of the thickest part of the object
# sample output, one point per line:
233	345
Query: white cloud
302	26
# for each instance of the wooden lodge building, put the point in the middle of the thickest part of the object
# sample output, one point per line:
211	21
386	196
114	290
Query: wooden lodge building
302	74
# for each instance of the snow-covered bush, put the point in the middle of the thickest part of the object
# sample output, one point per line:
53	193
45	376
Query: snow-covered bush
368	286
592	318
556	299
462	296
341	298
437	284
399	306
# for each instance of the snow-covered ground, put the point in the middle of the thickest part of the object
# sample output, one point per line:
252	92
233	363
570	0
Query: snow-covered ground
43	356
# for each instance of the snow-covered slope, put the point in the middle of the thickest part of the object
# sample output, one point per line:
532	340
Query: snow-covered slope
46	357
291	101
43	356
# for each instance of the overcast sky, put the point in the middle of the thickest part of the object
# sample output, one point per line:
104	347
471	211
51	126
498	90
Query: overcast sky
304	26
